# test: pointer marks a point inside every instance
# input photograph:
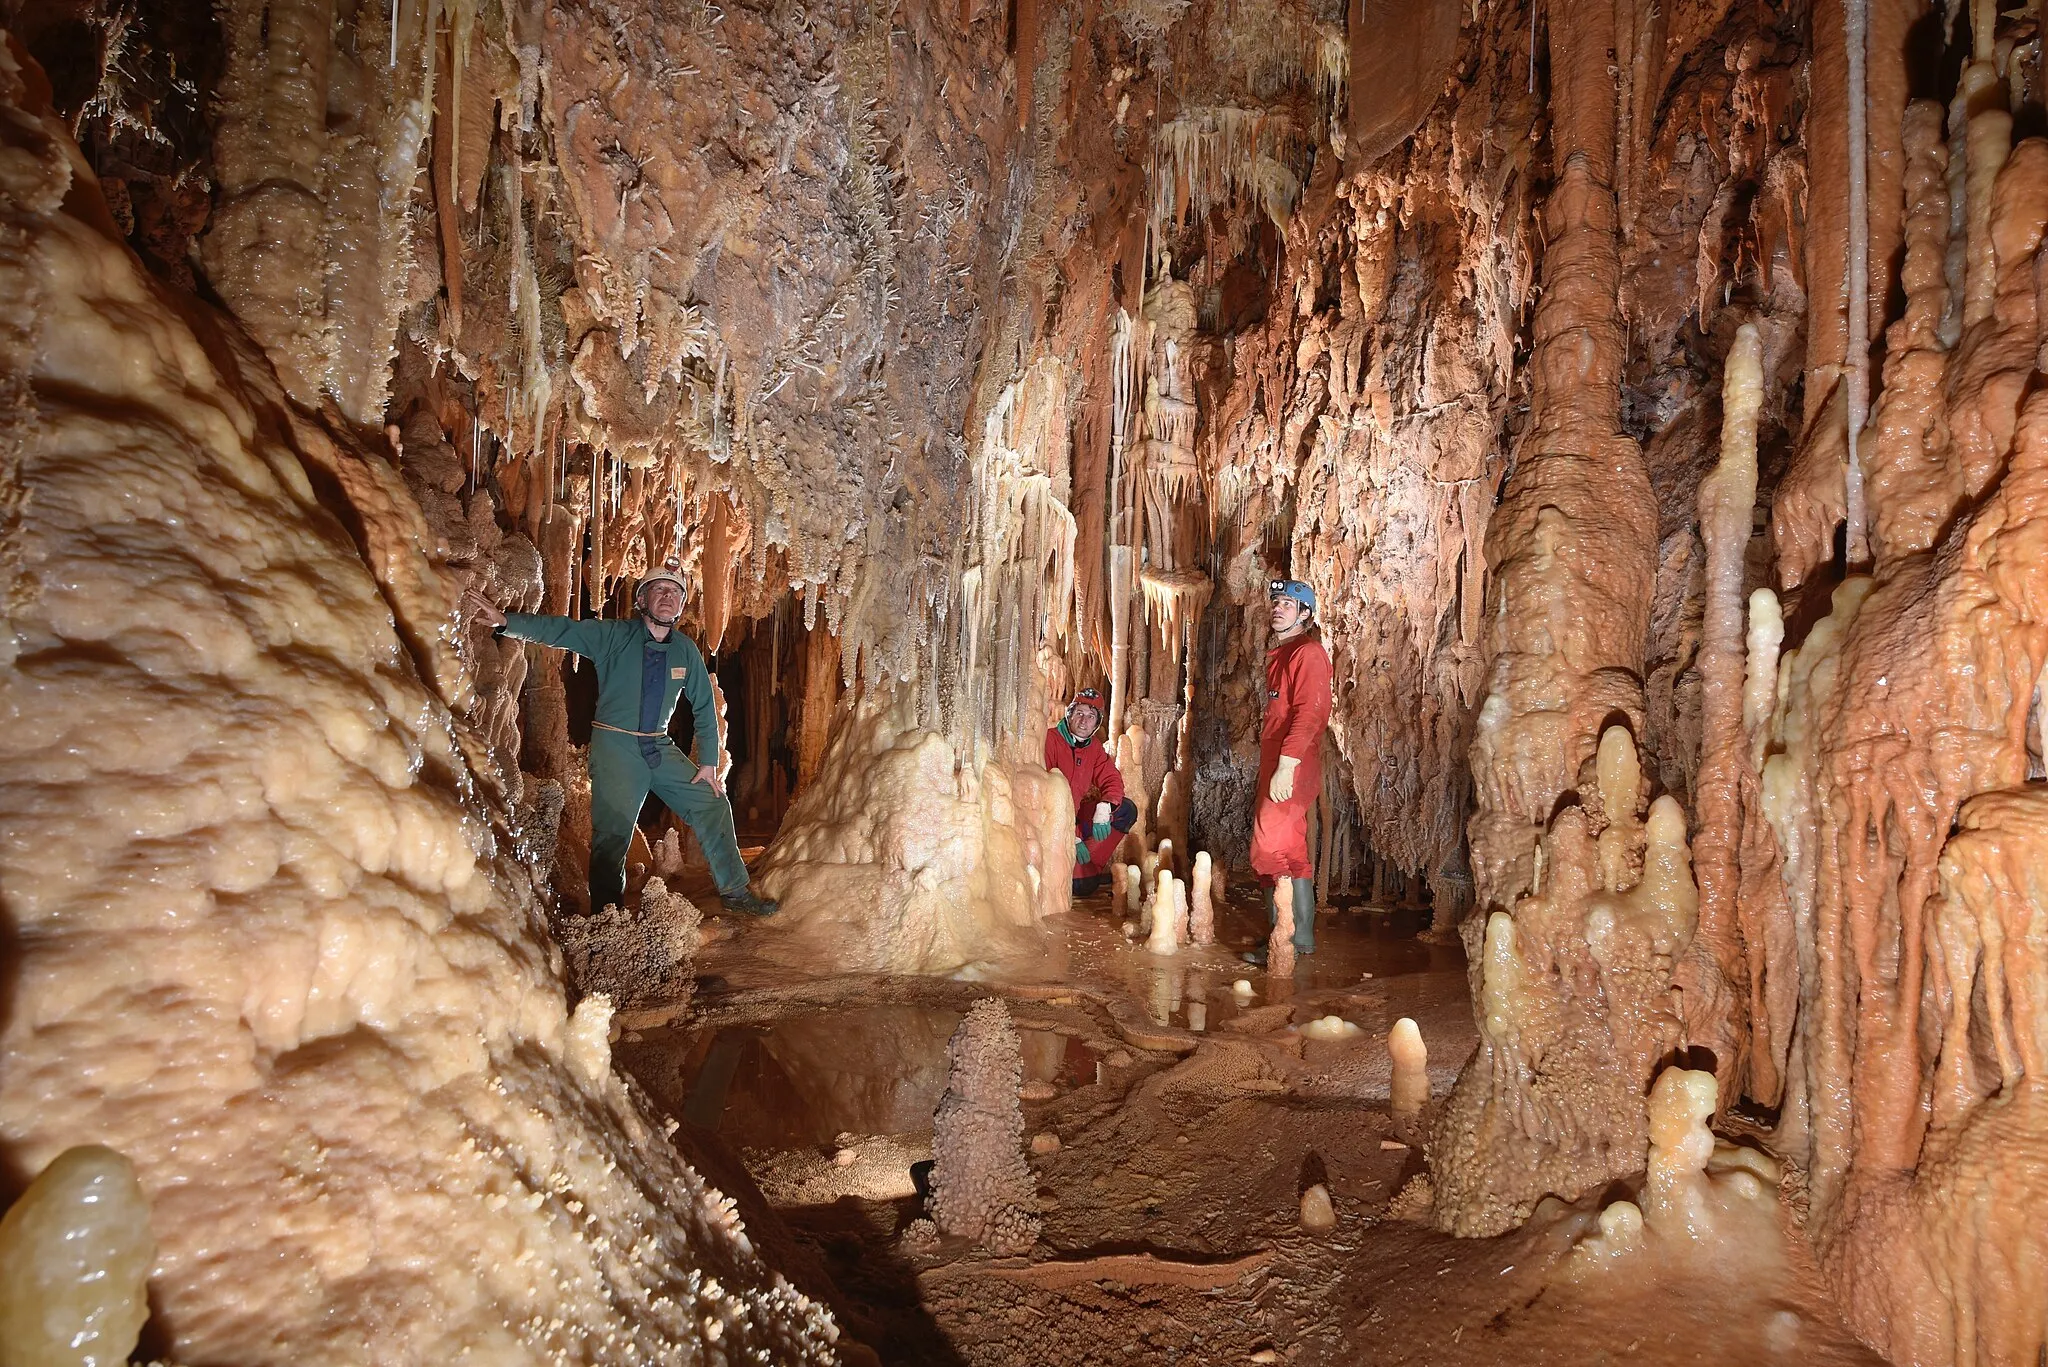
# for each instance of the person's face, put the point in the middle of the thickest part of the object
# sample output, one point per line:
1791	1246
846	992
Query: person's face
1287	615
1082	721
662	601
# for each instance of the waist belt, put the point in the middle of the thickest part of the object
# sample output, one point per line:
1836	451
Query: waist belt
644	735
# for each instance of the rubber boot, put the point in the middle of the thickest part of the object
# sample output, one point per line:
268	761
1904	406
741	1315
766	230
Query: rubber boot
1304	916
747	902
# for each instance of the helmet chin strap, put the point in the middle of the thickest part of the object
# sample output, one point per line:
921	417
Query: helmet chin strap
648	613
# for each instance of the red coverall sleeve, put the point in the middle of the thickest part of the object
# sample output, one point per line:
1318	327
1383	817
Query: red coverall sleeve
1308	697
1051	755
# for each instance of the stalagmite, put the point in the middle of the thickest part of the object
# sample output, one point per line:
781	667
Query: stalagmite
1201	911
1578	976
981	1186
1318	1213
639	956
1165	938
75	1256
1681	1102
1410	1086
1280	943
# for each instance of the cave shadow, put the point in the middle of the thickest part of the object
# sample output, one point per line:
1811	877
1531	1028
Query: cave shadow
13	1177
870	1272
1698	1057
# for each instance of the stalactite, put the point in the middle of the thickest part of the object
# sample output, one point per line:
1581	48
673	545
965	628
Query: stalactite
1856	37
1903	711
1208	155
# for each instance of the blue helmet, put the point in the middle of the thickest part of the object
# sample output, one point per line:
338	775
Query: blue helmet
1295	589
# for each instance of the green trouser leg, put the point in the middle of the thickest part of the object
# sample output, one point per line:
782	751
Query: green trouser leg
619	783
619	780
708	816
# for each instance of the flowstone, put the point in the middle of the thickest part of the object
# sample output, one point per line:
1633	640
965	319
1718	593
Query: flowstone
905	856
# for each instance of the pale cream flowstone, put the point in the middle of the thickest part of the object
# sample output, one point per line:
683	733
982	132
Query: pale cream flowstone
903	857
75	1254
271	945
1698	1197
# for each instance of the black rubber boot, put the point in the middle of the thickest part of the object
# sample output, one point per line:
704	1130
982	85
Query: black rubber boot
1304	916
747	902
1255	957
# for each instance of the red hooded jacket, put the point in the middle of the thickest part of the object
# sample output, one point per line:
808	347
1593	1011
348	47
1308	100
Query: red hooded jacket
1089	770
1297	708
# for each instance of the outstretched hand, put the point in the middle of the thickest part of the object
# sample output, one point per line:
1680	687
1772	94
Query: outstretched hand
709	774
482	609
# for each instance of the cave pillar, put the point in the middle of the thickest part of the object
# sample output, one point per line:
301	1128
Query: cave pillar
264	252
1574	540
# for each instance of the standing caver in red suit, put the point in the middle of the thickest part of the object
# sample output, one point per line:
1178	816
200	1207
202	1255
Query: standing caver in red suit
1101	811
1290	755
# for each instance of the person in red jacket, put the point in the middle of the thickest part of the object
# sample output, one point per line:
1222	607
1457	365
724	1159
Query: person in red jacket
1101	811
1290	755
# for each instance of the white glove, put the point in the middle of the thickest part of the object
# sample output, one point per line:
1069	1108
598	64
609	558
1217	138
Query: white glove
1282	786
1101	824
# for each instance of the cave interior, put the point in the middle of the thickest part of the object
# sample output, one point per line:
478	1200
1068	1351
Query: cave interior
1643	389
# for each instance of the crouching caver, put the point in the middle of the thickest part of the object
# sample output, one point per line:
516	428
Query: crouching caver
1101	811
643	666
1290	755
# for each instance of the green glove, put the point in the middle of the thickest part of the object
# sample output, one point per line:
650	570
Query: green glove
1080	851
1100	830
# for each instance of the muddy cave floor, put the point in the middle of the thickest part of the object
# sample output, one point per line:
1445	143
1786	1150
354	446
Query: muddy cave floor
1189	1120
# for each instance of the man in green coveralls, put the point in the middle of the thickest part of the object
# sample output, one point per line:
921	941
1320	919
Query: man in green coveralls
643	665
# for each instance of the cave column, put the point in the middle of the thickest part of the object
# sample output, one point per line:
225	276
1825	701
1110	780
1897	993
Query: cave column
265	251
1574	540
